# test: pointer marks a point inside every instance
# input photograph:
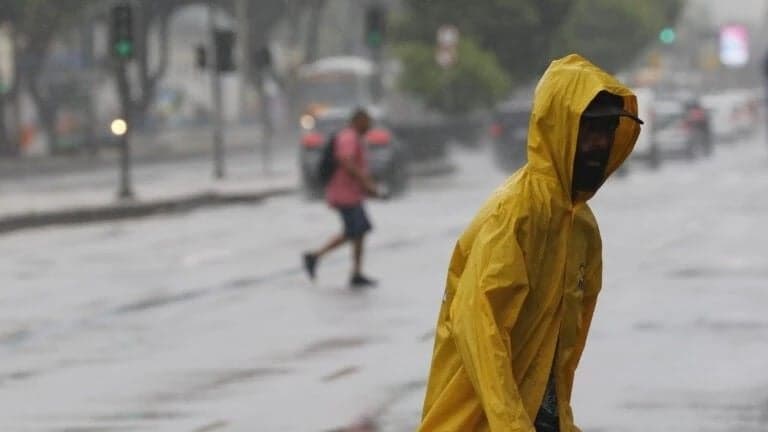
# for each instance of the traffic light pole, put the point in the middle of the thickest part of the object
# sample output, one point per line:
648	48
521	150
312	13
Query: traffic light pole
218	135
125	192
122	49
246	69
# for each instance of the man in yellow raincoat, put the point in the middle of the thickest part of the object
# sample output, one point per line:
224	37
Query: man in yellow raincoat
524	277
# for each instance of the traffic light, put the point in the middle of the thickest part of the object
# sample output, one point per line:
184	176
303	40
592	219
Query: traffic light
667	36
225	42
121	36
375	26
201	58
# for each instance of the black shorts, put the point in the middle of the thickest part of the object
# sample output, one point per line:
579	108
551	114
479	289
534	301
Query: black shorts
356	223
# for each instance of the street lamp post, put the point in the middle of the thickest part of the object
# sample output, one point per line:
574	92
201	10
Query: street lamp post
218	135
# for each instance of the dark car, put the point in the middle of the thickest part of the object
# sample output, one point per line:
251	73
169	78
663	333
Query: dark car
509	134
387	162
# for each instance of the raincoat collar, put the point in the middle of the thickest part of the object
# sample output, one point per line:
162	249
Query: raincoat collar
561	96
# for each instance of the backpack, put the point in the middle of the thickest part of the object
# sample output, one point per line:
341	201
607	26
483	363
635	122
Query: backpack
328	161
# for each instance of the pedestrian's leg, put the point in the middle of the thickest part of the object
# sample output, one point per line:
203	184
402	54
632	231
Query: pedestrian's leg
357	256
331	245
359	280
310	258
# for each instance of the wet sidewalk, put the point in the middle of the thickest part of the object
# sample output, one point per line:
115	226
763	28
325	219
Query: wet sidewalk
47	193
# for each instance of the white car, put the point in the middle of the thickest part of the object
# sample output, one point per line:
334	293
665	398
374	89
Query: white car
733	114
645	147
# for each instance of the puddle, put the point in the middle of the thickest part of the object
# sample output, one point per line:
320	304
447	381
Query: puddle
199	384
330	345
349	370
714	272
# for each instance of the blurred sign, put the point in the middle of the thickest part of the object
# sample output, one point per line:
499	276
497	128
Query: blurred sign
447	36
446	54
734	46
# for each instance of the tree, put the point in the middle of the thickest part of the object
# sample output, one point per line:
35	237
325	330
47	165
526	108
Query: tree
517	32
34	24
475	81
526	34
612	33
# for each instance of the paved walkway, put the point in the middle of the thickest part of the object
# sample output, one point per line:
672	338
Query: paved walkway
54	191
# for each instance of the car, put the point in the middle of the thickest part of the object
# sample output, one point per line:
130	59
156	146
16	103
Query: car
645	149
681	127
387	160
508	134
733	114
698	121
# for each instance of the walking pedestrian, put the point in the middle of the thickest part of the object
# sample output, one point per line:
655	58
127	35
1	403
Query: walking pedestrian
346	192
524	277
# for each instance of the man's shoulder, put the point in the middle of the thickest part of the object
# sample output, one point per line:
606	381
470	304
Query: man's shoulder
514	199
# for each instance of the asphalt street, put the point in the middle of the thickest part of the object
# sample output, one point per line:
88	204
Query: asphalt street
204	321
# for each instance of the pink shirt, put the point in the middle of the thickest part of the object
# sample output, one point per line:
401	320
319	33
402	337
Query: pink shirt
343	189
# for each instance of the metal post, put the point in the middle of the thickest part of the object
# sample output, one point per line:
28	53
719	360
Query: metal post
266	124
246	69
125	192
218	138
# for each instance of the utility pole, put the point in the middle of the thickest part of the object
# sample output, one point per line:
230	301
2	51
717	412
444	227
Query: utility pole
122	49
246	69
218	138
122	129
266	123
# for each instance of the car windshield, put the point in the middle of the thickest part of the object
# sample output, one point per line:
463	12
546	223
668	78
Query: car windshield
342	91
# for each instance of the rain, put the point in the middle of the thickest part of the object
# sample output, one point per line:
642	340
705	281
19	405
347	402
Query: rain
160	181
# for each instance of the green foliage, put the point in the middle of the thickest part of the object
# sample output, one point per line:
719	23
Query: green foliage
517	32
475	81
525	35
612	33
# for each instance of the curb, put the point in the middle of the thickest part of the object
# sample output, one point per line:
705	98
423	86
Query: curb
134	209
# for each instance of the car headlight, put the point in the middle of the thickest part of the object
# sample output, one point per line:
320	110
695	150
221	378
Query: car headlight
307	122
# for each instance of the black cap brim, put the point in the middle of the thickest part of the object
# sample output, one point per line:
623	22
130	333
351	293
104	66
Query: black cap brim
610	111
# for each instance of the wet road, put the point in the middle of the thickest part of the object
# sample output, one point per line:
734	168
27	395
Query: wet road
204	321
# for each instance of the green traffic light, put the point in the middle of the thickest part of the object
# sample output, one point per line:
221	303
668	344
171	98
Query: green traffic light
667	36
124	48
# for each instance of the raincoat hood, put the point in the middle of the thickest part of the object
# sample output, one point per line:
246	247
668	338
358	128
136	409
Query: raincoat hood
561	96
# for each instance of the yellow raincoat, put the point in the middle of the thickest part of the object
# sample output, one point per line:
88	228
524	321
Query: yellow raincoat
524	277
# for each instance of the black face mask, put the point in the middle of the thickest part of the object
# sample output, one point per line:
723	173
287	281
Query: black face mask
589	170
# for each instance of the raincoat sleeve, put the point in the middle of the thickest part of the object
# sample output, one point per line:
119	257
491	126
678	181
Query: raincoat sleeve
490	293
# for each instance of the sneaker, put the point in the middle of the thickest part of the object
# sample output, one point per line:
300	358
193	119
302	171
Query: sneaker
310	262
360	281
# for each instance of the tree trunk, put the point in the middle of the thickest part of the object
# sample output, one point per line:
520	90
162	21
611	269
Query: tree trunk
86	45
6	146
313	34
148	79
46	112
10	134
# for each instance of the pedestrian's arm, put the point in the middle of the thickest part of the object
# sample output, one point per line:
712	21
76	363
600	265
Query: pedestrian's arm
490	294
348	164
